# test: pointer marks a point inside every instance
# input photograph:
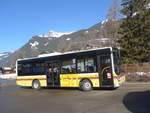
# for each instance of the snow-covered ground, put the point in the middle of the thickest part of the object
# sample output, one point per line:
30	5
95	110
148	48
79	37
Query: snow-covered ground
138	73
8	76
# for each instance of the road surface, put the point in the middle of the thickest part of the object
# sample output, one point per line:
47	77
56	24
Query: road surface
130	98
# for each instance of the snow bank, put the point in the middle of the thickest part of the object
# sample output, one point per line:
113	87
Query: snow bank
8	76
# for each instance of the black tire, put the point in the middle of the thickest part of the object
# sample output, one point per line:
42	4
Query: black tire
36	84
86	85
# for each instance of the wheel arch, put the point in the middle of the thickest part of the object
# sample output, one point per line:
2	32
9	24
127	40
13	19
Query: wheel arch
34	80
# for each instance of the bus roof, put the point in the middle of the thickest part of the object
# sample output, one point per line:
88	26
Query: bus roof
65	53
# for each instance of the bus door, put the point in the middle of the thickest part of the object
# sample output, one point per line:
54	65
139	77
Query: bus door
53	74
105	70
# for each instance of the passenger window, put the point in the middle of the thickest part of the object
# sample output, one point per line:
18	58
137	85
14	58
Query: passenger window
80	65
89	65
68	66
27	69
39	68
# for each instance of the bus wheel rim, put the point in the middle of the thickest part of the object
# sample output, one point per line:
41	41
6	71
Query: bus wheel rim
36	85
87	85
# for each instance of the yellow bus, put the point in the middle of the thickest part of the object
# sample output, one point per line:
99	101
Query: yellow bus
86	69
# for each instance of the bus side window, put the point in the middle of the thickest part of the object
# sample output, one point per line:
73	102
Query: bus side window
68	67
89	65
80	65
38	68
86	65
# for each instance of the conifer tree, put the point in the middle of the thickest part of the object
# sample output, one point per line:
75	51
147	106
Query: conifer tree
135	31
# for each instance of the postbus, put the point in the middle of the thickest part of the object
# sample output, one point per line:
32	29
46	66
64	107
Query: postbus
86	69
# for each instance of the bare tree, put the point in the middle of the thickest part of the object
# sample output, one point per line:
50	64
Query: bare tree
112	24
114	11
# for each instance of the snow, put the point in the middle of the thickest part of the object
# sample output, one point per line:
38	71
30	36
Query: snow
2	54
138	73
34	44
58	34
5	56
104	21
86	32
54	34
46	44
68	39
148	6
134	14
8	76
103	39
7	68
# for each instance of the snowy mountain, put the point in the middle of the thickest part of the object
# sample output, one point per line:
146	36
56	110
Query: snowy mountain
4	55
4	58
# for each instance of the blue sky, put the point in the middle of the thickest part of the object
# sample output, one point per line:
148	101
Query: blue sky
22	19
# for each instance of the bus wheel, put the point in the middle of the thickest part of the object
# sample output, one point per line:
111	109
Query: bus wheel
85	85
36	84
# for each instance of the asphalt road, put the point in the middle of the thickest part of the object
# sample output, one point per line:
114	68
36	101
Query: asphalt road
129	98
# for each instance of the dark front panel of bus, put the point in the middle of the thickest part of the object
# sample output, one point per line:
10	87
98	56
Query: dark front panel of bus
105	70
